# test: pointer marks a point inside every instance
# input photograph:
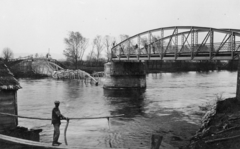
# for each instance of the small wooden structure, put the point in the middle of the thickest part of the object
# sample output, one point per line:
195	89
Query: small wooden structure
8	98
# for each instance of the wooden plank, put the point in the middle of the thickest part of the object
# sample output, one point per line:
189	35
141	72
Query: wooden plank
5	116
29	143
6	92
16	107
7	120
6	103
6	125
11	109
7	97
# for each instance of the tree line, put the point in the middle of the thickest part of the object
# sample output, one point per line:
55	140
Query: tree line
100	47
76	45
100	50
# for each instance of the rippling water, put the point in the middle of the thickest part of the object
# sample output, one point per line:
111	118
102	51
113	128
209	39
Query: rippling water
169	98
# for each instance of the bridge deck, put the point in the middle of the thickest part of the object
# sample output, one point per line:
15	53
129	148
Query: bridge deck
182	56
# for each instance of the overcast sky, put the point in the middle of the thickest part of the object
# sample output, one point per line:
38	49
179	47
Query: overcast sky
34	26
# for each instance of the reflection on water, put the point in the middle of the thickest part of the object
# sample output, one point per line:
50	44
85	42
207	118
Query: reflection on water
126	101
169	97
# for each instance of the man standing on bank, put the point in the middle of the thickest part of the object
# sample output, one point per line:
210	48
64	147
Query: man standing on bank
56	121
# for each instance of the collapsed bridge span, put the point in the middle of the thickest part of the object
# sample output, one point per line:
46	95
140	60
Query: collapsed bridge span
51	68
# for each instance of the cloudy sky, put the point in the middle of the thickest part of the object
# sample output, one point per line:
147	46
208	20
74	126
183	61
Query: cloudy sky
34	26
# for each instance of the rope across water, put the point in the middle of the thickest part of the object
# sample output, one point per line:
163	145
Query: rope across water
65	130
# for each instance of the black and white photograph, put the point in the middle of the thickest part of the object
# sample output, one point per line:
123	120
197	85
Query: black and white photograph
119	74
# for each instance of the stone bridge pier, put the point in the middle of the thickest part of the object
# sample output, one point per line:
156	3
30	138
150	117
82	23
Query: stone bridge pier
124	75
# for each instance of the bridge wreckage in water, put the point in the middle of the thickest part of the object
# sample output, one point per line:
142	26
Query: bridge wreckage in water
51	68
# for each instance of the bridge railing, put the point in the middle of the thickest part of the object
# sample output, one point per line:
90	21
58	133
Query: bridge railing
223	51
151	42
217	47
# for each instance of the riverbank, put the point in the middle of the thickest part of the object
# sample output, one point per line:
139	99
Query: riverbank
220	127
176	131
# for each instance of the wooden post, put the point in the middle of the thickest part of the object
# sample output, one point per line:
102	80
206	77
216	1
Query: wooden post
238	81
156	141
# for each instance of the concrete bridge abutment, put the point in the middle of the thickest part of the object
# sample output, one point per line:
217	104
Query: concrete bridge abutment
124	75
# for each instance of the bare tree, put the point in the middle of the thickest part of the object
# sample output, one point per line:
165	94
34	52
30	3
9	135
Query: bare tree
99	45
156	46
76	46
108	43
144	41
91	55
128	45
7	54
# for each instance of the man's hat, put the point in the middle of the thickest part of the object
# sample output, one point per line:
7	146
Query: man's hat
56	101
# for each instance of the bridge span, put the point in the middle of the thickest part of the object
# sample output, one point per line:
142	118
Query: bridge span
179	43
188	43
49	67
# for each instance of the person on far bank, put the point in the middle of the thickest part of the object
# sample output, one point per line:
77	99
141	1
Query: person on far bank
56	121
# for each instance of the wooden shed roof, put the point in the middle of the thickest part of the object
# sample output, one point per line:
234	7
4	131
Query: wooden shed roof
7	80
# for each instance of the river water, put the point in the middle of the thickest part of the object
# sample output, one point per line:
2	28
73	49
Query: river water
168	99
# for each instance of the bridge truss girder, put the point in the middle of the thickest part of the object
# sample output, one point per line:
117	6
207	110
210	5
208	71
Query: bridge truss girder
173	51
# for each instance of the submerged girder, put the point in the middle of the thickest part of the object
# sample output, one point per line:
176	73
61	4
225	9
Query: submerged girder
215	44
49	67
74	74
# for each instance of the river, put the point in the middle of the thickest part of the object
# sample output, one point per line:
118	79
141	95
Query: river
170	98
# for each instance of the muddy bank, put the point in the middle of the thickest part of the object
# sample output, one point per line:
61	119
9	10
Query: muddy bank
20	132
220	127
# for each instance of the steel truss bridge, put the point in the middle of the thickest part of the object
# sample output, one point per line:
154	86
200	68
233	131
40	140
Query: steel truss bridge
50	67
179	43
